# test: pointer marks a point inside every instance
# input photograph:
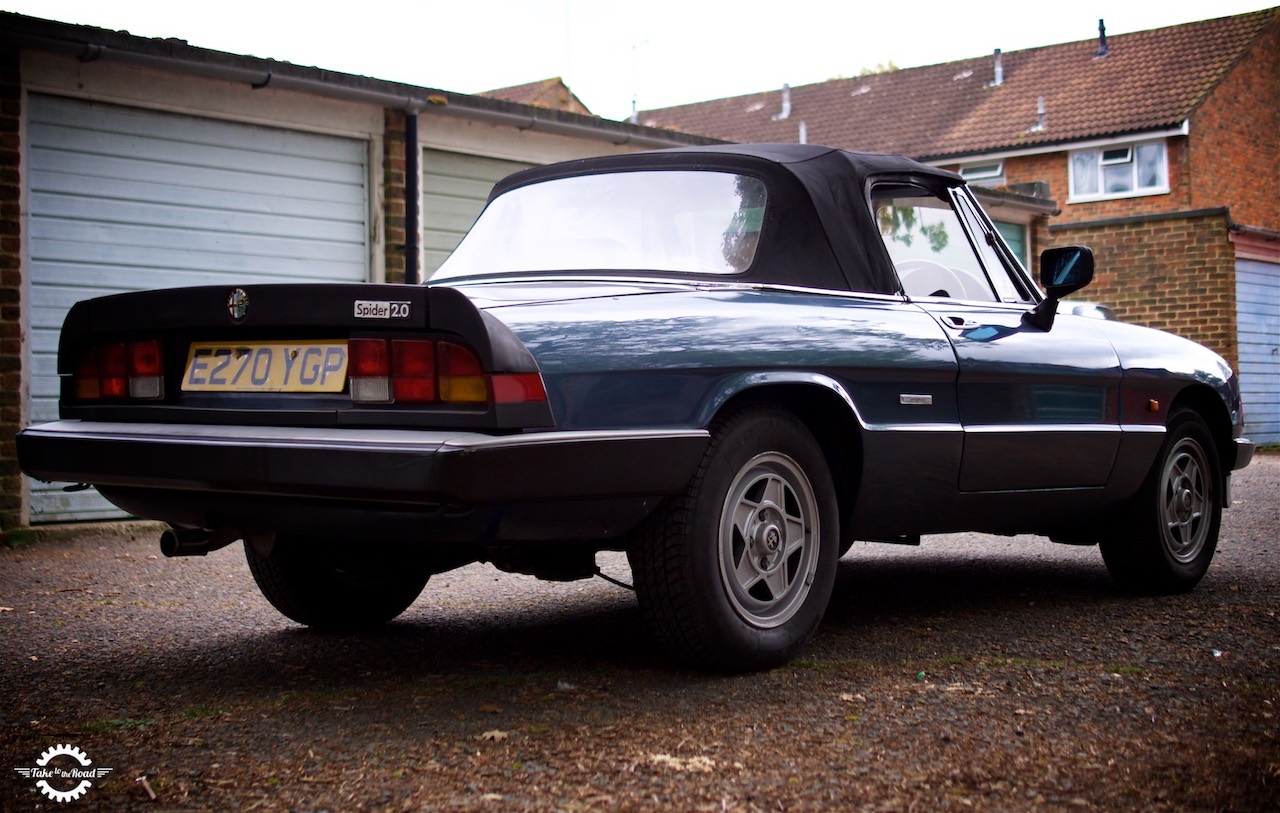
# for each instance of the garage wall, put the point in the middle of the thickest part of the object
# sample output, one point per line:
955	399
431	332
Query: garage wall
122	198
1258	305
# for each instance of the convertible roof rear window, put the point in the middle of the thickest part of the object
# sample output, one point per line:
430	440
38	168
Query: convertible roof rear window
683	221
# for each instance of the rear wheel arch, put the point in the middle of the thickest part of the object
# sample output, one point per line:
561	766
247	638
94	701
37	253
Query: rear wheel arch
736	573
830	418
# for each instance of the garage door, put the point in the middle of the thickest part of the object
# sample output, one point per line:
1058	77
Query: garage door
454	190
1258	320
122	199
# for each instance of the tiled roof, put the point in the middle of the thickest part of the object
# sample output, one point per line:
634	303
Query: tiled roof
552	93
1148	80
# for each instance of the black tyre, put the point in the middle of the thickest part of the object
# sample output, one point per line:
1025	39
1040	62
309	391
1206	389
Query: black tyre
331	586
736	573
1170	533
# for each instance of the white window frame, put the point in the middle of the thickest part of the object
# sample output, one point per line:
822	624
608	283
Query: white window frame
1106	156
985	173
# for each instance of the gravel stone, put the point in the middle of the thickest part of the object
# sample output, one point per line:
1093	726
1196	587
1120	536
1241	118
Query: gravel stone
971	673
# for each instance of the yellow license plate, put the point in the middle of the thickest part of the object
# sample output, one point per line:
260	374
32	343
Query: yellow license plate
274	366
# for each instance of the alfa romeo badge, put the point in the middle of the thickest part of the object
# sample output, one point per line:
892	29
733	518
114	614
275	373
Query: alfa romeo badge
238	304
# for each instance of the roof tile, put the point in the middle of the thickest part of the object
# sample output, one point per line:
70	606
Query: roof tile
1148	80
552	93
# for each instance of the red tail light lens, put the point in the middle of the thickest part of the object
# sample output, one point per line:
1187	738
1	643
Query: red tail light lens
369	358
419	371
144	358
518	388
113	379
120	371
369	370
413	370
145	363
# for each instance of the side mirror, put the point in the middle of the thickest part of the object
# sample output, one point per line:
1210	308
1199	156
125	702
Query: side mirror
1063	270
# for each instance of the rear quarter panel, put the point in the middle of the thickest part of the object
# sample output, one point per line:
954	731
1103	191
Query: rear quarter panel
671	360
674	360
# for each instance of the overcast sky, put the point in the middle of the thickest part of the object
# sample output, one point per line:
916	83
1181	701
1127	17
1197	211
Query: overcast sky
661	52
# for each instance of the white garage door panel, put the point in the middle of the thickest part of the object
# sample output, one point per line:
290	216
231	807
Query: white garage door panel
146	134
144	247
200	219
122	199
147	181
1258	320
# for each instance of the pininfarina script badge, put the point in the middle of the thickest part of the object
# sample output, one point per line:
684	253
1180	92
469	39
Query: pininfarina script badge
238	304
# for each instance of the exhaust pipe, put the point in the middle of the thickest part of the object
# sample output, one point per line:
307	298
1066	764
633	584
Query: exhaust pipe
195	541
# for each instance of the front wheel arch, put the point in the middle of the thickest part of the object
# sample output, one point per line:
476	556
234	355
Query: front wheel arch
1165	539
337	585
1205	402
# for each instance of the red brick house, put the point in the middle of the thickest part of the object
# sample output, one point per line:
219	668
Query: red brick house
1160	149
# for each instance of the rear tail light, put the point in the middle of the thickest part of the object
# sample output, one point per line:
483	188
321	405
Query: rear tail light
419	371
369	370
462	378
120	371
144	361
518	388
413	371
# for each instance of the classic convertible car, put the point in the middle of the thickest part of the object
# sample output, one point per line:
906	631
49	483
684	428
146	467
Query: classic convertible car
730	362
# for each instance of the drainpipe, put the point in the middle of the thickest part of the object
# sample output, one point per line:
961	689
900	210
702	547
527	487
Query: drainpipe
412	194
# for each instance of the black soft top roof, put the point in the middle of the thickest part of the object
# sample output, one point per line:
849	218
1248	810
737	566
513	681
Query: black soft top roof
819	230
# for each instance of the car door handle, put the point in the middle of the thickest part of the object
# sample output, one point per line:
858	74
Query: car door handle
959	322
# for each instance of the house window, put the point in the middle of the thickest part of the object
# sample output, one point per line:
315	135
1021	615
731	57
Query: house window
1015	237
1120	171
989	173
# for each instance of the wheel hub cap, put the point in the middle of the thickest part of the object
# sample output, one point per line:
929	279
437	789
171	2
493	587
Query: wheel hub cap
1186	504
769	540
766	538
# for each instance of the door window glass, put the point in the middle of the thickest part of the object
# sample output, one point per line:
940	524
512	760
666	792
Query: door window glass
987	242
928	246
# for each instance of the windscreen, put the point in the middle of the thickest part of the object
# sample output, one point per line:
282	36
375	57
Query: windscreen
683	221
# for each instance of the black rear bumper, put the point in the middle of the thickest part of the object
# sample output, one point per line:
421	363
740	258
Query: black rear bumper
354	478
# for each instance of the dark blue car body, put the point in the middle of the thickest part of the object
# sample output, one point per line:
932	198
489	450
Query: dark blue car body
830	373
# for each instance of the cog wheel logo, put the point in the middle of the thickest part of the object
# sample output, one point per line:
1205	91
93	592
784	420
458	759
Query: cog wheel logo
78	779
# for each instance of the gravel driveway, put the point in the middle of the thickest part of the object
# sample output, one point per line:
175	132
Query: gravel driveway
972	673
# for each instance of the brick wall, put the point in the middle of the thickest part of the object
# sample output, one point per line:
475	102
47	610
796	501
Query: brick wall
1231	157
1235	139
1166	261
393	180
12	483
1052	169
1173	272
